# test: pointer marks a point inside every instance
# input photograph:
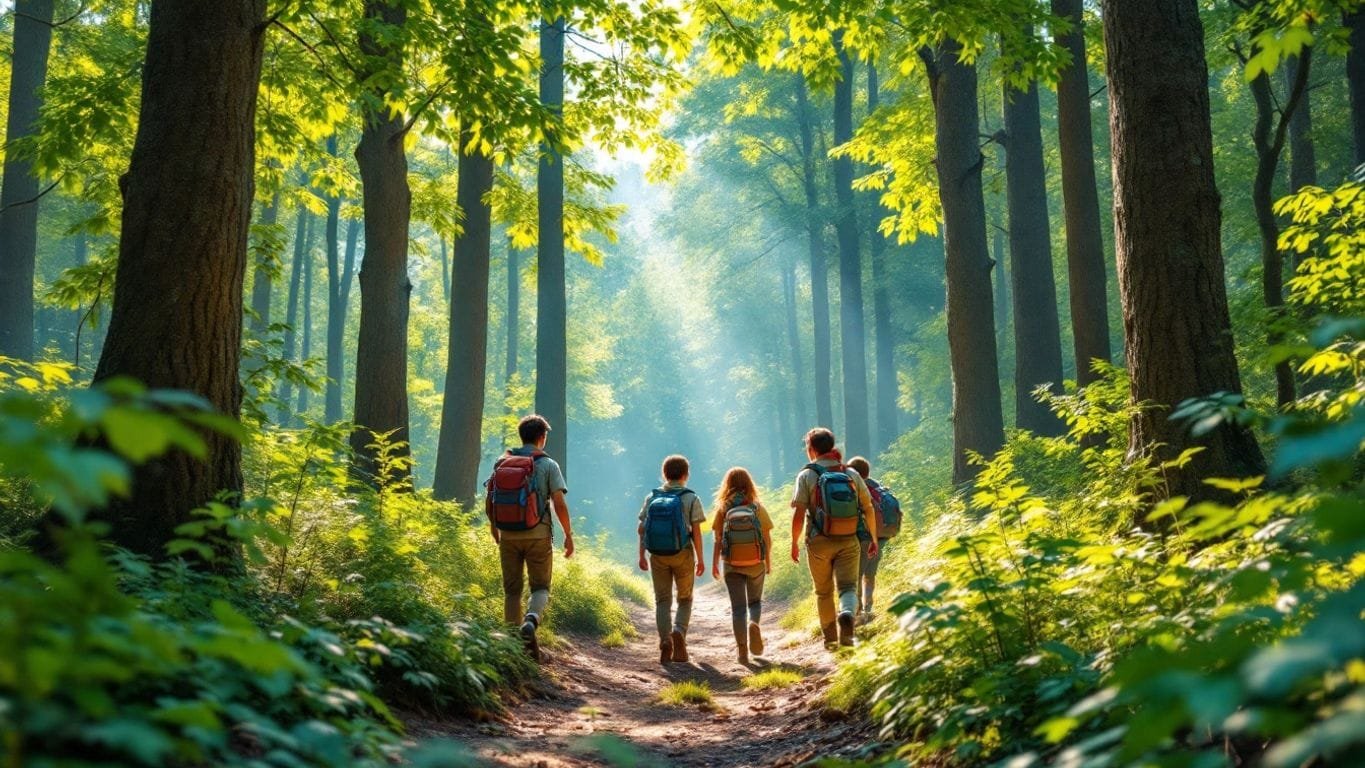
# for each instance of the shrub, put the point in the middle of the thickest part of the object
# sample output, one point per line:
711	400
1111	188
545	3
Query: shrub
687	693
777	677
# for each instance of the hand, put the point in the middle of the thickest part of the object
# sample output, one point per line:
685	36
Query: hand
796	552
568	546
644	562
769	563
873	549
701	567
497	536
715	572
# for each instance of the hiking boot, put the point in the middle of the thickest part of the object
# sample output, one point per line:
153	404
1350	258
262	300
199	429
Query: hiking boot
846	629
743	656
755	639
831	634
665	651
679	646
528	639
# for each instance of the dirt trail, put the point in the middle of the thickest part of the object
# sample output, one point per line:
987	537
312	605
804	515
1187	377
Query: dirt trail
592	690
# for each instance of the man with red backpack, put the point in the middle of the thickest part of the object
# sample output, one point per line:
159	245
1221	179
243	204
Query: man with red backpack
525	486
836	502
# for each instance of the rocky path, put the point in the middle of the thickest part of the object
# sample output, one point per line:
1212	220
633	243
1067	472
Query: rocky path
600	706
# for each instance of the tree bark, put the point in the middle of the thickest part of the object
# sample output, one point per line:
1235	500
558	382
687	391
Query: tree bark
381	367
799	411
1085	260
19	190
853	347
457	452
176	320
513	312
819	270
261	277
1178	339
884	350
306	350
552	362
1303	161
1355	78
978	424
1037	331
338	307
303	243
445	271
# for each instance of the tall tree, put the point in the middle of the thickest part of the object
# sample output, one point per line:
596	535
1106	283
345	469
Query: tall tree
1178	338
306	348
1037	332
263	271
1354	21
176	320
1086	279
978	423
853	349
19	190
457	451
381	365
340	276
885	343
1303	161
798	411
819	270
552	360
303	243
513	311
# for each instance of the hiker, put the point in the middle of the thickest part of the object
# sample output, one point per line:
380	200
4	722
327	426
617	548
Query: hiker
744	543
670	531
835	500
888	516
524	487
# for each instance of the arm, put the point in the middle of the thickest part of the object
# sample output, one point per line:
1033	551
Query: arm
562	512
869	517
798	523
493	528
715	553
768	549
696	548
640	531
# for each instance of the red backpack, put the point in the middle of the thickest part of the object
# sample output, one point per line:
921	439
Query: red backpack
512	502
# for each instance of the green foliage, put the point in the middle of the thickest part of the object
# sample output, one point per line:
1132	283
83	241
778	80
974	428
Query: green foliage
777	677
687	693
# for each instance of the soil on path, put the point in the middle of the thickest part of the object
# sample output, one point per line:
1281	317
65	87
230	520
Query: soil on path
593	696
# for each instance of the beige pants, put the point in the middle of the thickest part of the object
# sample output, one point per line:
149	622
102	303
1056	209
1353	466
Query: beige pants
536	558
833	564
671	572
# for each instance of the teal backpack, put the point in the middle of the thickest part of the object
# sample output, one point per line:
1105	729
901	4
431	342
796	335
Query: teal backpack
667	529
834	508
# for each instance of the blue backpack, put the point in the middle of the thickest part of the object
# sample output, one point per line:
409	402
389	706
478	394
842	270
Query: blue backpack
667	528
889	514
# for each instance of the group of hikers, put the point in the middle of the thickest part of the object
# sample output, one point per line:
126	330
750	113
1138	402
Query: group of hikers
846	518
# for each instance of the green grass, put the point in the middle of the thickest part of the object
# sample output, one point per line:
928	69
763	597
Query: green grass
686	693
587	595
614	639
777	677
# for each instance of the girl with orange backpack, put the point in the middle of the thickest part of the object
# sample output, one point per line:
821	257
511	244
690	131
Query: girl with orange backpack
744	545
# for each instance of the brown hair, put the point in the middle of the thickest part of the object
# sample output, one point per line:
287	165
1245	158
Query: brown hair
821	440
860	465
532	428
737	482
676	468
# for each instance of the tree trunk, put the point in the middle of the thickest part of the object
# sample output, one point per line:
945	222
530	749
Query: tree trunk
853	347
303	243
1268	136
19	189
1303	161
1085	265
445	270
1037	331
819	271
80	259
1355	78
176	320
261	273
885	344
799	411
552	362
381	365
513	312
457	453
306	351
1178	338
978	425
338	306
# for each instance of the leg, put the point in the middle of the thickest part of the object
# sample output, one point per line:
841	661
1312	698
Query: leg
510	556
870	576
866	565
754	590
845	563
821	564
661	574
684	576
735	586
540	562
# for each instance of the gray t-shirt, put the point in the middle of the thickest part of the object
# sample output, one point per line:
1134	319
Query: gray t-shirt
546	478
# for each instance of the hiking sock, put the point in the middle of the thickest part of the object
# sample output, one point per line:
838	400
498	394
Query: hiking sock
540	598
848	600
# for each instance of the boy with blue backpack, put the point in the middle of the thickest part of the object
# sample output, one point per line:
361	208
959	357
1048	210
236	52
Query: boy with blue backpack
670	532
888	525
835	500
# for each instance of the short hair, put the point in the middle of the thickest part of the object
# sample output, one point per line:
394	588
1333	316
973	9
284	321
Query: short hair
532	428
820	439
860	465
676	468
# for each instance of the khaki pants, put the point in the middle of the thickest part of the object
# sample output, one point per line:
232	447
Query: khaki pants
668	572
833	563
536	556
867	566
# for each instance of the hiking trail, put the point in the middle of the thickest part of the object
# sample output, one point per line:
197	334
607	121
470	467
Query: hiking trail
590	690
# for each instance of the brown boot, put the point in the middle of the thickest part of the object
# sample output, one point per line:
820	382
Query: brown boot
831	634
755	639
665	651
679	646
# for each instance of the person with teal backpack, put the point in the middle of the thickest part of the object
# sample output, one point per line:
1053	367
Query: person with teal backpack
888	525
670	534
834	501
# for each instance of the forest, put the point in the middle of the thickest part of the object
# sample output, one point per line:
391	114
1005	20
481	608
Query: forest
1082	280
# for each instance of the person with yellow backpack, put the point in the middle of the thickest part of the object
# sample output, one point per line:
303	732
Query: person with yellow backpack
670	532
743	545
888	525
835	501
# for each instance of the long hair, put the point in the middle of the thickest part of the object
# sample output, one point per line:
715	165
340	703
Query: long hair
737	483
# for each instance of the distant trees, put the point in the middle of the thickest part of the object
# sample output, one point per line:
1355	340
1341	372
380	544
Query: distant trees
853	347
176	320
819	269
1178	338
19	190
884	354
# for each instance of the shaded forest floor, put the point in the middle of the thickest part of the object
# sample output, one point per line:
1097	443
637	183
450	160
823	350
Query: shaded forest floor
592	696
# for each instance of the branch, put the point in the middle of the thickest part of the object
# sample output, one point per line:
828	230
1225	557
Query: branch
322	63
416	113
48	22
340	49
34	199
